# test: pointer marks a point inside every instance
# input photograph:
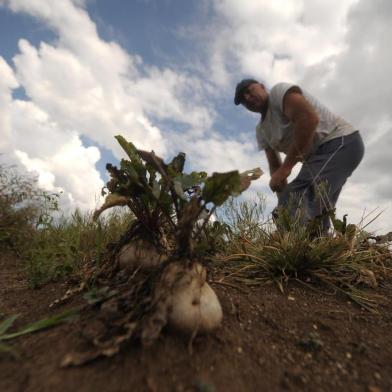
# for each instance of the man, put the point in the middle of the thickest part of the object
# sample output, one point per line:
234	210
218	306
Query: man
297	124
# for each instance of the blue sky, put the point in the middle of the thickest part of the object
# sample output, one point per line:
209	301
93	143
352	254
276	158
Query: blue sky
154	30
74	73
147	28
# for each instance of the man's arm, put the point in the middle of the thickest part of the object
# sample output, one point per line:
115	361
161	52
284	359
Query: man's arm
274	160
305	120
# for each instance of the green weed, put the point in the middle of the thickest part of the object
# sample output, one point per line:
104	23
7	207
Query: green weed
39	325
50	248
257	253
64	246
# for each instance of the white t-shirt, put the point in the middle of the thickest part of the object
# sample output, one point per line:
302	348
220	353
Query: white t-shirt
276	130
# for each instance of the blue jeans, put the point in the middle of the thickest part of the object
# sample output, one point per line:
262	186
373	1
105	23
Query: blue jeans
317	187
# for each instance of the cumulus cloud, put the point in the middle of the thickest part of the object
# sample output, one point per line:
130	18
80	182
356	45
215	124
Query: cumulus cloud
83	85
274	40
58	158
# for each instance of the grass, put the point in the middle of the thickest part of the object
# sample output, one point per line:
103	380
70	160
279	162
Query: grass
20	208
50	248
64	246
39	325
256	253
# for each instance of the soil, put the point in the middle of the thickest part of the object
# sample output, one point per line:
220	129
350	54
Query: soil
302	340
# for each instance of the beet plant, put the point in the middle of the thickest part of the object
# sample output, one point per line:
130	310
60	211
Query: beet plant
157	267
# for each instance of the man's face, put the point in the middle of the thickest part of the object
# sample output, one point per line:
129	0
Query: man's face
254	97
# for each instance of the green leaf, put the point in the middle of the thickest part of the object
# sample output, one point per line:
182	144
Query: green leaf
166	203
7	323
176	166
133	154
152	172
338	225
190	180
220	186
42	324
179	189
128	168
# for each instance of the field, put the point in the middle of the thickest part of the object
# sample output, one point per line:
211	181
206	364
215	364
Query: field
301	340
300	312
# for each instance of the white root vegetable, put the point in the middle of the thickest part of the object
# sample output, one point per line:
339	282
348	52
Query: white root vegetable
140	254
193	306
184	301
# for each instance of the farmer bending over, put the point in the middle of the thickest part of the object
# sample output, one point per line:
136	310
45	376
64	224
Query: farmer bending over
295	123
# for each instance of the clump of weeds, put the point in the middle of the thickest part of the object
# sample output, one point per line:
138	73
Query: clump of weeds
345	261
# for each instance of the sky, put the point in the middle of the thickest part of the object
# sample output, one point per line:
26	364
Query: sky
162	73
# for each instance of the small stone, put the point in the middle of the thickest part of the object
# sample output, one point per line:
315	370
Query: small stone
377	376
290	357
261	361
239	350
315	327
290	298
348	356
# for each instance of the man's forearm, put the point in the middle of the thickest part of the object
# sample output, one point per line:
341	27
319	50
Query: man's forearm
303	134
274	160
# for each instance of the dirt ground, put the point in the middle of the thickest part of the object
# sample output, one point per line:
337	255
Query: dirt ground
298	341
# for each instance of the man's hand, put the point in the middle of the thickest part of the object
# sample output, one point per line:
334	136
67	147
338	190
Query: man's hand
279	179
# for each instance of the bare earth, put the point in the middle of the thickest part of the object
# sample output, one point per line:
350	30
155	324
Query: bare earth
298	341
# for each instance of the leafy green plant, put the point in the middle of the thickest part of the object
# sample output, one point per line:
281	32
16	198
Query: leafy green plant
167	202
171	210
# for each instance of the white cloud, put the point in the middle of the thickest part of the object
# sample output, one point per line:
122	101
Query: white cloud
72	166
83	85
275	40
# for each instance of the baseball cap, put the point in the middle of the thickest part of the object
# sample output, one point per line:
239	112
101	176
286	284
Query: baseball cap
241	86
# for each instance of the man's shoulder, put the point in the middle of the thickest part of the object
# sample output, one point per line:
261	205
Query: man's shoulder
281	88
278	91
281	85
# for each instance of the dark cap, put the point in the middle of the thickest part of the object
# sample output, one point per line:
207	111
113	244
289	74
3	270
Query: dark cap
241	86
